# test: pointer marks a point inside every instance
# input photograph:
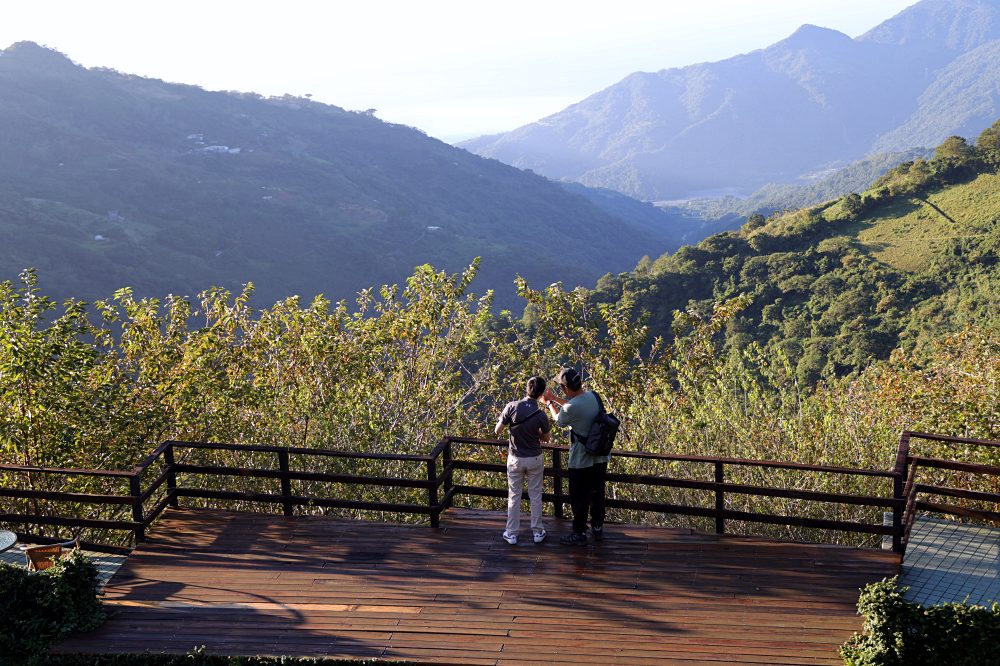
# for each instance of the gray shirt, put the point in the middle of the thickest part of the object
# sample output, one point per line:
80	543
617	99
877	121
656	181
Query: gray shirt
525	420
579	414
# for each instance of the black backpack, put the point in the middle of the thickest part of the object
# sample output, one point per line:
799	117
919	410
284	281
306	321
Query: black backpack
601	438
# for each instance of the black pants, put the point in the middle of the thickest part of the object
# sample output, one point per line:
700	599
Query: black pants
586	495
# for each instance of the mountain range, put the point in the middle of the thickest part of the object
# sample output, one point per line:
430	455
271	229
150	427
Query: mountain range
110	180
813	101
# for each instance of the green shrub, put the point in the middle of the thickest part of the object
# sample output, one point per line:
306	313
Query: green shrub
901	632
37	609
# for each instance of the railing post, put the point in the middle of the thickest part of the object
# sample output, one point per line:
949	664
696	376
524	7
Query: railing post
897	513
557	484
720	499
286	483
448	472
135	490
899	493
432	492
168	460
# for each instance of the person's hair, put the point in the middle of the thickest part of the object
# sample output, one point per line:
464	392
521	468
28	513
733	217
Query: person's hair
570	378
536	386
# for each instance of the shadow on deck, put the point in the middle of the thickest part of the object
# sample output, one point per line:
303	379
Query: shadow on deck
249	584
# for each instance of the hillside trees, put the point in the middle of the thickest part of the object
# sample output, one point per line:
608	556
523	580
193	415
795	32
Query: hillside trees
396	370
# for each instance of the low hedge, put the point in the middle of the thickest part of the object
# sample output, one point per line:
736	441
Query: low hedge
37	609
899	632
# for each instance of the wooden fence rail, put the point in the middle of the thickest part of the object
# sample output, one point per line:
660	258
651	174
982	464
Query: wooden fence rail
913	490
145	498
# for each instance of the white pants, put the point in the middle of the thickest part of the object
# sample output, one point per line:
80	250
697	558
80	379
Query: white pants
517	470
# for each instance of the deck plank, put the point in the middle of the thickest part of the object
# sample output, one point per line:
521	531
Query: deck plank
246	584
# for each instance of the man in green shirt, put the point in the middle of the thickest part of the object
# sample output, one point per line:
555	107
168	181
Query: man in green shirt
586	472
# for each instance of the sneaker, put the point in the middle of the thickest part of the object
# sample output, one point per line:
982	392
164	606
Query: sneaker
574	539
510	538
597	532
540	536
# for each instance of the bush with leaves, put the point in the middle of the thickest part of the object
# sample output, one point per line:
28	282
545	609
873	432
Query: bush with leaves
898	632
37	609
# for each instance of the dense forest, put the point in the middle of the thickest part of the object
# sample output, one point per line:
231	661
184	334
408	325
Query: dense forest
833	287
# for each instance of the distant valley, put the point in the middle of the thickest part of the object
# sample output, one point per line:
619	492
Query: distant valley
110	180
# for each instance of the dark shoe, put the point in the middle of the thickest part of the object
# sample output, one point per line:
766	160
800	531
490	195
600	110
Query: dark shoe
574	539
598	533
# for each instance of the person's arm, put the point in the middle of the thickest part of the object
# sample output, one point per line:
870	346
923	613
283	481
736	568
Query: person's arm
544	435
502	424
502	421
549	399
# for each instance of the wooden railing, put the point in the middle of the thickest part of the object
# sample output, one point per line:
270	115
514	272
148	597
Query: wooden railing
435	473
715	486
913	491
132	500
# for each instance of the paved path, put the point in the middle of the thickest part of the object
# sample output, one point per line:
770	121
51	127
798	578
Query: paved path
951	562
247	584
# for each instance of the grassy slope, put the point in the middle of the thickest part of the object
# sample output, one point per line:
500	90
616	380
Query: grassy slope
910	235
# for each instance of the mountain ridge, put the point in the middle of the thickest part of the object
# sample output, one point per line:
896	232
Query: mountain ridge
112	179
814	99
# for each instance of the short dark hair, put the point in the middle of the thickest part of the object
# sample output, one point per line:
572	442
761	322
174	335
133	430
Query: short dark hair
570	378
536	386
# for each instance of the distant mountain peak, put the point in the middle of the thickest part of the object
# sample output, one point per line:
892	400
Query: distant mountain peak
808	31
812	37
30	54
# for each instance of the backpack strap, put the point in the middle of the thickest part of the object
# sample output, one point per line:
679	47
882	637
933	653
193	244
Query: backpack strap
600	410
514	424
600	403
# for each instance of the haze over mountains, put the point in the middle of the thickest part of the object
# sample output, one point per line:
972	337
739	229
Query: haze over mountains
814	100
110	180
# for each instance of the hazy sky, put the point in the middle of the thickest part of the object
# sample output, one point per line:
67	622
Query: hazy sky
453	68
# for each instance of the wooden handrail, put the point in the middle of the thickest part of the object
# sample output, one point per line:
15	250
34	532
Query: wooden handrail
705	459
939	463
64	471
263	448
60	496
955	440
912	489
290	475
439	482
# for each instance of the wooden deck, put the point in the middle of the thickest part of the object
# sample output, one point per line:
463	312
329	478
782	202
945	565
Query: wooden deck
246	584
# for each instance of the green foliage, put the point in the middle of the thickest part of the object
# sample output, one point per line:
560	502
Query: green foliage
839	285
37	609
402	368
900	633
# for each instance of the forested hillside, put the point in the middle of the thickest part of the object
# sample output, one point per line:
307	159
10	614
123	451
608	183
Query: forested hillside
110	180
834	287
